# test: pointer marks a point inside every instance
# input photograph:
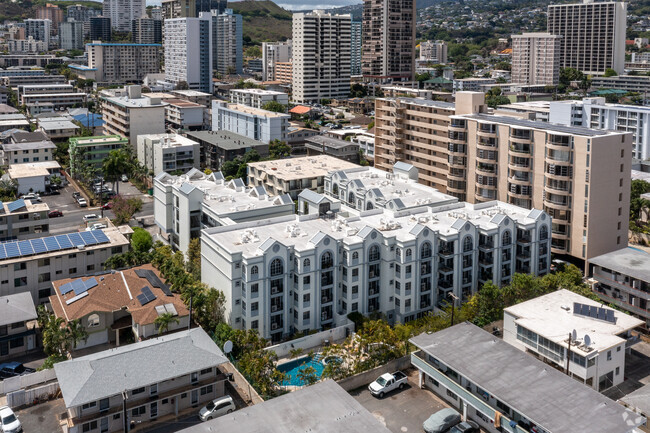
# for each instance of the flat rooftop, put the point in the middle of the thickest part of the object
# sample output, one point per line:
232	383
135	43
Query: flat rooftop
639	399
331	142
182	103
547	397
125	101
388	186
548	316
251	110
535	106
53	125
168	141
545	126
322	407
99	139
424	102
191	93
260	92
627	261
302	168
225	139
303	232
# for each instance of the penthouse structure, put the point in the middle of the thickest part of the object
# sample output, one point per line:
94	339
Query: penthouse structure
30	266
321	56
458	365
257	97
168	153
186	204
593	35
401	264
291	176
549	166
255	123
536	58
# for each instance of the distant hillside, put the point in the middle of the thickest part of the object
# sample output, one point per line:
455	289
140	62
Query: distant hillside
21	9
263	21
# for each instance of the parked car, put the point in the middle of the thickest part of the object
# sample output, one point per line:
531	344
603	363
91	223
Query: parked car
96	226
82	202
31	196
218	407
441	421
76	195
9	422
11	369
387	382
125	178
465	427
108	205
91	217
55	213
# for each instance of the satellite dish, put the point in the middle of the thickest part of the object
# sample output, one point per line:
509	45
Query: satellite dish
574	335
227	347
587	340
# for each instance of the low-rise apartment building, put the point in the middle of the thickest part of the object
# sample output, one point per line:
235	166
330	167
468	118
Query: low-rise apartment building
621	278
24	78
565	329
324	145
181	114
35	176
31	265
58	130
162	376
291	176
184	205
257	97
17	325
299	273
491	383
472	84
111	309
194	96
37	103
168	153
131	115
217	147
255	123
26	152
93	150
23	219
13	121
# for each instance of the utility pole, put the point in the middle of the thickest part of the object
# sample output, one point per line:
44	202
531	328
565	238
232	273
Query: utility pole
189	323
568	356
454	298
124	412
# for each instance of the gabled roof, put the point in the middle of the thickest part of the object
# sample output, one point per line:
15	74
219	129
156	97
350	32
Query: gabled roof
186	188
282	199
17	308
317	238
312	196
108	373
267	244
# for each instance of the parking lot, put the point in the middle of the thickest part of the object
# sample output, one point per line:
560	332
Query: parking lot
401	411
42	418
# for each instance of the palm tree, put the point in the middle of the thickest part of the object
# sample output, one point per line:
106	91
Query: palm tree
164	320
74	333
115	165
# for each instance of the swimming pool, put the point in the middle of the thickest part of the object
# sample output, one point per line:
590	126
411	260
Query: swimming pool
292	368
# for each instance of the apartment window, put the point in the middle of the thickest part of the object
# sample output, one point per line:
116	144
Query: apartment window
621	168
89	426
618	240
44	293
89	405
103	404
254	324
20	266
137	391
206	390
306	297
139	411
609	355
90	268
451	395
355	272
618	370
72	270
153	389
205	371
20	282
305	315
618	349
306	280
622	150
504	408
255	288
16	325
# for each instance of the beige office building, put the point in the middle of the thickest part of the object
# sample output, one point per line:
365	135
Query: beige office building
536	58
577	175
321	56
593	35
388	40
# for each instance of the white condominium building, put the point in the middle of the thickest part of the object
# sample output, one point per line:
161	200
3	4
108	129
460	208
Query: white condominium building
272	53
536	58
298	273
255	123
321	56
186	204
168	152
188	51
257	97
593	35
227	43
433	51
122	12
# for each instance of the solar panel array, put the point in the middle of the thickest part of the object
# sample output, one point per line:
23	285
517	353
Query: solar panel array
11	250
146	296
594	312
78	286
15	205
167	308
153	280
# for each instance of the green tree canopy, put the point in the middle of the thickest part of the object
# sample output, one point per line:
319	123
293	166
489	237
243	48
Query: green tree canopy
275	106
141	240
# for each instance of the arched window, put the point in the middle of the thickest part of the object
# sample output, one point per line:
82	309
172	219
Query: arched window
468	244
543	233
409	253
355	256
425	250
306	263
351	199
93	320
506	238
398	252
277	268
335	190
254	270
369	206
373	253
345	256
326	260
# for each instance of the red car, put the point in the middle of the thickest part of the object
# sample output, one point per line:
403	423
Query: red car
55	213
108	205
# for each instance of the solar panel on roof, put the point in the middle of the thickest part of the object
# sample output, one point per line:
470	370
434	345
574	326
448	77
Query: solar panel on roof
3	253
100	236
141	273
142	299
88	238
25	248
65	288
12	249
51	243
75	239
15	205
78	286
90	283
39	246
64	242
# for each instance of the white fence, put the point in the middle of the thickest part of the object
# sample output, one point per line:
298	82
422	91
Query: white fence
313	340
21	382
26	396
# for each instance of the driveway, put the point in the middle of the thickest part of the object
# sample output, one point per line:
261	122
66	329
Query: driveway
401	411
42	418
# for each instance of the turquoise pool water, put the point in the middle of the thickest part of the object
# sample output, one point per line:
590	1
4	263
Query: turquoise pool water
292	368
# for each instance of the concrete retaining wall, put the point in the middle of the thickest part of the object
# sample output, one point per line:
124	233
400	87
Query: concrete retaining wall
363	379
313	340
21	382
21	397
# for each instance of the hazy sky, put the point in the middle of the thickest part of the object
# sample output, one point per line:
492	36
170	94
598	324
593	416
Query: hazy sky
299	4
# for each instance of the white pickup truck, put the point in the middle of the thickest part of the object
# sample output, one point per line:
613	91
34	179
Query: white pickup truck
387	382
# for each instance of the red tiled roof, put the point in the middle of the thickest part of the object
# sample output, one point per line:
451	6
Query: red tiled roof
300	109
